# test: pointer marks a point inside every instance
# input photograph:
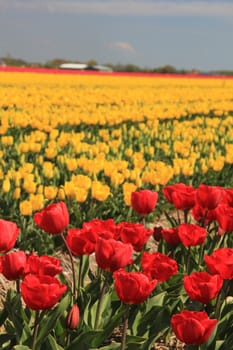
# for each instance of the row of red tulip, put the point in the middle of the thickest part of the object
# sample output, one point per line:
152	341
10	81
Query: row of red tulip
115	246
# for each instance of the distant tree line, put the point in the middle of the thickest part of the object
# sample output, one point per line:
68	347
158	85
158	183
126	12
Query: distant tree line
119	67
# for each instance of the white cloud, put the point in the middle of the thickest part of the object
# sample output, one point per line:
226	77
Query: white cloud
126	7
122	46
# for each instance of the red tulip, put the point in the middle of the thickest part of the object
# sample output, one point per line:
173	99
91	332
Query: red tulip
158	266
111	255
180	195
133	287
73	317
170	235
221	262
53	219
228	199
202	287
199	214
42	265
8	235
102	228
134	233
81	241
209	197
41	292
13	264
144	201
193	327
191	234
224	214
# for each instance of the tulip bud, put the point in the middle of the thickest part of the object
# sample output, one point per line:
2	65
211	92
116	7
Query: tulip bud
72	320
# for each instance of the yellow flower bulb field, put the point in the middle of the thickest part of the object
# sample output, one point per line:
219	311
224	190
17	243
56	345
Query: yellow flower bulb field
87	139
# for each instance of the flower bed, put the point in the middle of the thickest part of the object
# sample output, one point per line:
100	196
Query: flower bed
184	287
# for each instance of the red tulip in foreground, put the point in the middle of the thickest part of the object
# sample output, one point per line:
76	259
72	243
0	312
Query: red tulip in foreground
73	317
134	233
202	287
41	292
144	201
193	327
8	235
221	262
42	265
133	287
191	234
158	266
13	265
170	235
53	219
224	214
111	255
180	195
209	197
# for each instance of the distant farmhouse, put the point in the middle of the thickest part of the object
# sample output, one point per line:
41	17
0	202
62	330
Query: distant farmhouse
84	66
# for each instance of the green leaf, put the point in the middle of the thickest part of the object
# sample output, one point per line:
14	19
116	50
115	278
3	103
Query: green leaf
133	339
49	322
83	341
154	321
5	338
51	344
112	346
21	347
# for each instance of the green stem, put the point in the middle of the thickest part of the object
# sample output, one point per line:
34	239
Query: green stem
100	302
188	258
80	273
221	297
35	331
72	267
125	327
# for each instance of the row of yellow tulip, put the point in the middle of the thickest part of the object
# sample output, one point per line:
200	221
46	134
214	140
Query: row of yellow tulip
84	137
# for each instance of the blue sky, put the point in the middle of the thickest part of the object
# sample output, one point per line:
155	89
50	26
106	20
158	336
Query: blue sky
149	33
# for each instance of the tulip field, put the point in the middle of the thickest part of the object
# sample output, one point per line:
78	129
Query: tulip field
129	180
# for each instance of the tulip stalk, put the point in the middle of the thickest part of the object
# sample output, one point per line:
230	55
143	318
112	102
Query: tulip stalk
35	331
72	267
100	302
125	326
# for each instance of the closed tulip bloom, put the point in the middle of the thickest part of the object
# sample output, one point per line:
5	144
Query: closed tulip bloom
8	235
111	255
193	327
221	262
144	201
158	266
170	235
41	292
13	264
202	287
133	287
229	196
73	317
191	234
224	214
42	265
199	214
180	195
53	219
209	197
